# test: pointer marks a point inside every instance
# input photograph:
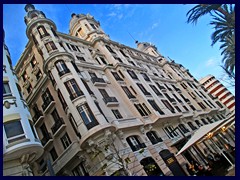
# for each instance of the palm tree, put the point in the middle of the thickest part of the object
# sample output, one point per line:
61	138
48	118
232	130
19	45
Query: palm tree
224	24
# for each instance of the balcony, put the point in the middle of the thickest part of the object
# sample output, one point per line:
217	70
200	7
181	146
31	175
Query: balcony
98	81
48	104
92	124
111	101
61	73
58	126
173	101
38	117
46	140
138	146
76	94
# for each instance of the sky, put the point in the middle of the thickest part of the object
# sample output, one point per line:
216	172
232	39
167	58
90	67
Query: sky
163	25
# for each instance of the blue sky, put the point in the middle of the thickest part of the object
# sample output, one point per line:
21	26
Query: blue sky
164	25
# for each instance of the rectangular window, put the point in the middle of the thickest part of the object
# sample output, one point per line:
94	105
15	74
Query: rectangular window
145	92
80	58
155	90
168	105
117	114
73	89
39	74
80	170
14	130
50	46
145	77
87	116
104	93
132	74
116	76
155	106
141	110
128	92
53	154
6	89
65	141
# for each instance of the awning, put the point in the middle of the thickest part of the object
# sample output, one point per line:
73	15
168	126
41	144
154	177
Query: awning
203	131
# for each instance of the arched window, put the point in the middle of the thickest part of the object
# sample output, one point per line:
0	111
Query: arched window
135	143
198	123
153	137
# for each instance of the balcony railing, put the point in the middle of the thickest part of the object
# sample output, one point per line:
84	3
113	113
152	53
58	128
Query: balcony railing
138	146
110	100
57	125
46	138
47	102
155	141
61	73
91	124
37	116
76	94
96	80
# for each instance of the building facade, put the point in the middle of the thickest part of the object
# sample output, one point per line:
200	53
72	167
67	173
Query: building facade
21	146
218	90
103	108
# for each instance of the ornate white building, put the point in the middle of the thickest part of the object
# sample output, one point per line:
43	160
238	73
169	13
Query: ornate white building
103	108
21	146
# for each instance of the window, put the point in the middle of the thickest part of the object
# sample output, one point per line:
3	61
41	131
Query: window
204	121
61	68
152	136
42	31
128	92
123	53
54	32
81	32
47	98
80	170
75	67
190	124
51	78
168	105
117	114
73	89
141	110
74	125
53	154
145	92
87	116
65	141
6	89
39	74
33	62
155	106
109	49
170	131
134	143
24	77
103	60
29	88
55	115
33	130
104	93
155	90
145	77
198	123
19	90
50	46
80	58
118	59
202	105
14	130
62	100
178	109
183	128
192	107
93	26
116	76
132	74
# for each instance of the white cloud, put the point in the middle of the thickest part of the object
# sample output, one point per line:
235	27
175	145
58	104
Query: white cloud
112	14
155	25
211	62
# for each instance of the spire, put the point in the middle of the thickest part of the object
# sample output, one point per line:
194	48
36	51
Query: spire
29	7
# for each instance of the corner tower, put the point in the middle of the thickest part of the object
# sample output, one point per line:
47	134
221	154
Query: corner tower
86	27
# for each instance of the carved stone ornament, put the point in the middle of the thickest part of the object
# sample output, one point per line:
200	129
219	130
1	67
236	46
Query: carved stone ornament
8	104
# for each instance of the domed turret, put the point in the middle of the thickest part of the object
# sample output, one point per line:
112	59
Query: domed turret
85	27
32	13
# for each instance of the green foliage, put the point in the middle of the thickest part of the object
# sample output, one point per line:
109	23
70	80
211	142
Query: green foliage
223	22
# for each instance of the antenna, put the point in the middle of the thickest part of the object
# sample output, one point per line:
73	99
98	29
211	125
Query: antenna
68	8
133	38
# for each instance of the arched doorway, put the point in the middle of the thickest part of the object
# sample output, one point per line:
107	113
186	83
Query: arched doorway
151	167
172	163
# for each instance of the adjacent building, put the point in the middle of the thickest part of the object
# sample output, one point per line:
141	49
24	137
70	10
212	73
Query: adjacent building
219	91
21	146
102	108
